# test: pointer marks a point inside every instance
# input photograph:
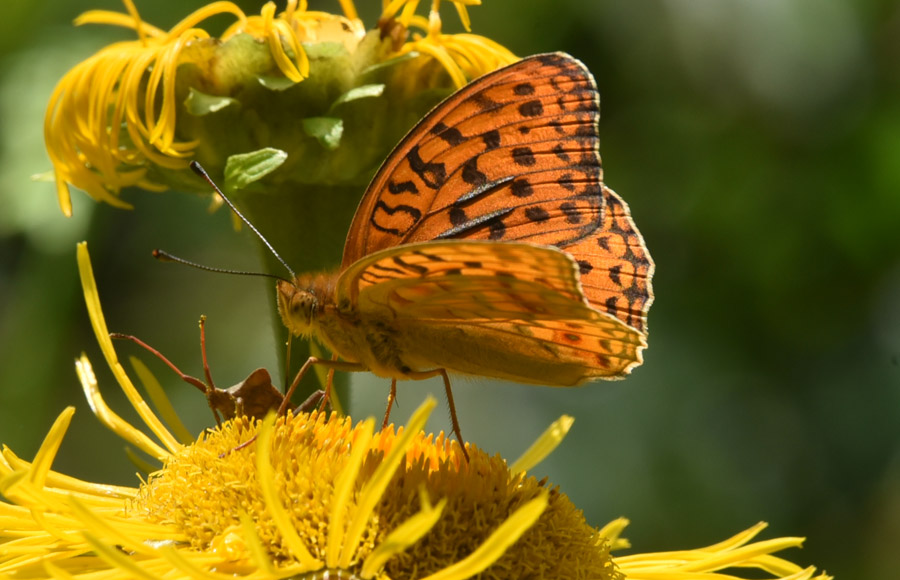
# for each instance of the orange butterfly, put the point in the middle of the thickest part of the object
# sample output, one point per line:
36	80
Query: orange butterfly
487	244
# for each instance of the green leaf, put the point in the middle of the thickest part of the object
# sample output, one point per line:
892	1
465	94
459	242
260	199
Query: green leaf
245	168
362	92
390	62
199	104
274	83
328	130
324	50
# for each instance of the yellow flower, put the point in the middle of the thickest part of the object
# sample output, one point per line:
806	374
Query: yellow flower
463	56
316	497
137	111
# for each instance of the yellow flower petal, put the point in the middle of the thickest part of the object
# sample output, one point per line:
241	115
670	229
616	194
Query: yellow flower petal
545	444
494	547
273	501
408	533
374	489
92	299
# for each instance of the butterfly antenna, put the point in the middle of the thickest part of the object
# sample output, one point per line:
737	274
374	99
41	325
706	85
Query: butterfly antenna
198	169
164	256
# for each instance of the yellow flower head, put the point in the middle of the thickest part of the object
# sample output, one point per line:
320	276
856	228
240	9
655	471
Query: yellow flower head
295	90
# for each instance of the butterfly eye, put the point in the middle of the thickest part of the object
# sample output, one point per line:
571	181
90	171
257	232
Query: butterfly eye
297	307
303	306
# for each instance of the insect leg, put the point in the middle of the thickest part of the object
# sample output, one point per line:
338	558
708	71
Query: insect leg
205	389
392	396
332	364
443	374
206	371
329	385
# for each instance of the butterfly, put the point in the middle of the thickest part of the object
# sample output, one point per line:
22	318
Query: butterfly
487	244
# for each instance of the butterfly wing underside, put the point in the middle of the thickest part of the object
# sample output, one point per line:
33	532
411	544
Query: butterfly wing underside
513	156
509	310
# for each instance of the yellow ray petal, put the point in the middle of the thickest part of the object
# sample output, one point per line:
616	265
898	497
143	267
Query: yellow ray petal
544	446
497	543
374	488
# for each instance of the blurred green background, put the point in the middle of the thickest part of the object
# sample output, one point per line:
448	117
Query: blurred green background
758	144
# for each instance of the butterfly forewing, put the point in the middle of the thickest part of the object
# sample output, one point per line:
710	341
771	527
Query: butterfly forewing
513	156
481	156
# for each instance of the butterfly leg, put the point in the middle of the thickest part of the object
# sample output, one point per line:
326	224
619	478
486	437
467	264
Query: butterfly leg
329	385
392	396
443	374
331	364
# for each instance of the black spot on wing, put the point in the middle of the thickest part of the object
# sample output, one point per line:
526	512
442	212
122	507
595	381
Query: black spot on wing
484	189
523	89
497	229
521	188
610	304
523	156
573	214
554	59
615	275
536	214
586	130
388	269
421	270
491	139
450	135
483	101
531	109
432	174
429	256
565	181
414	214
475	223
560	152
457	216
471	174
402	187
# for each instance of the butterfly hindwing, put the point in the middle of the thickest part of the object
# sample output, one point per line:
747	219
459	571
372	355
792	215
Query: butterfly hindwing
507	310
547	352
470	266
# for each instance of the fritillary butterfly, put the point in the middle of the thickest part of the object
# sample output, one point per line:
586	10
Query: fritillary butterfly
487	244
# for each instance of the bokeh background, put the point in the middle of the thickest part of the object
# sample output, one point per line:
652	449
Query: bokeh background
758	144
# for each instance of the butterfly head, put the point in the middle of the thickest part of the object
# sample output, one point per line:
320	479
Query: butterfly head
298	307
